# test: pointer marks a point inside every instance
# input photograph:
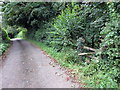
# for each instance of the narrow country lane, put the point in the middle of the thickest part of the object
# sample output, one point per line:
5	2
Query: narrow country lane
27	67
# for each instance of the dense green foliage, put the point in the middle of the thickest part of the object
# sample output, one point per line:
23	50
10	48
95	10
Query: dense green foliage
12	31
30	15
67	27
4	41
5	37
3	47
22	33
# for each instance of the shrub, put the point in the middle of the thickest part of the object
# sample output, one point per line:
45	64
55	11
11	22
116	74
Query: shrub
110	50
64	28
22	32
72	57
101	80
3	47
5	37
105	73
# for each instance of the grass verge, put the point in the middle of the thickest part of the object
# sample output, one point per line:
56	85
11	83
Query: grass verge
98	80
60	57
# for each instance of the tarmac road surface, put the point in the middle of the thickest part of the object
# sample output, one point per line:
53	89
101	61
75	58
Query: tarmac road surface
27	67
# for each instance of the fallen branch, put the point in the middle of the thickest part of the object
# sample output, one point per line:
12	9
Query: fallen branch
88	54
88	48
82	54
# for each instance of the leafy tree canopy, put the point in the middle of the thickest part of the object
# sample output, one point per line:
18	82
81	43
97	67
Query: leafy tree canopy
30	15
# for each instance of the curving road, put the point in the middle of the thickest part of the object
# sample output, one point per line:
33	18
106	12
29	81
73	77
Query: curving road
27	67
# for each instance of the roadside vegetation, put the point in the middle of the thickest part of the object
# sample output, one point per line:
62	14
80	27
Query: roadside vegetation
81	36
4	41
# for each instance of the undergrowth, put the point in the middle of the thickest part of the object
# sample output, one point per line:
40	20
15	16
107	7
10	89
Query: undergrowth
63	57
86	72
3	47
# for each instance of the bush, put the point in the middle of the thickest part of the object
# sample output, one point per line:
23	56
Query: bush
5	37
3	47
110	50
22	32
72	57
104	71
65	28
4	41
101	80
41	33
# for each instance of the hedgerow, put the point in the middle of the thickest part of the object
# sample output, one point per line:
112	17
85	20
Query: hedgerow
71	27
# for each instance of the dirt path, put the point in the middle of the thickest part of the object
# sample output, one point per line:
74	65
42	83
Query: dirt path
27	67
